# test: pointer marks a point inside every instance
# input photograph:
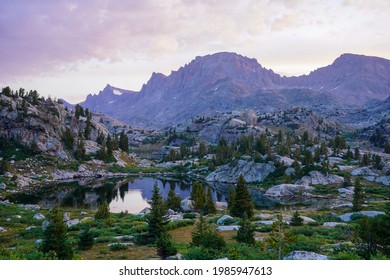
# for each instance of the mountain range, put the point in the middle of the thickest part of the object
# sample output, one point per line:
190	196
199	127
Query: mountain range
223	82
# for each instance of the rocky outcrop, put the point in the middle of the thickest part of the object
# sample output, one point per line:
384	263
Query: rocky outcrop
347	216
287	190
305	255
252	172
384	180
317	178
187	205
365	171
222	220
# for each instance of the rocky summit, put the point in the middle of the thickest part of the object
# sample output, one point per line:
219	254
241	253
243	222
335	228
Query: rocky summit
222	82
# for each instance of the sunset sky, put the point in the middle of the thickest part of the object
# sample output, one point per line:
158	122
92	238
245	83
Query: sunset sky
68	49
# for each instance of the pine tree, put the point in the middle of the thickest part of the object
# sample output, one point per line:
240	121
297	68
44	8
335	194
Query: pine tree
85	240
246	232
198	196
243	201
173	201
80	150
296	220
124	142
279	238
358	196
68	139
103	211
356	155
55	237
209	206
157	220
387	148
165	245
205	235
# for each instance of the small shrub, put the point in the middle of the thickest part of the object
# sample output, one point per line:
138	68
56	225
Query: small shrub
189	216
118	247
103	212
85	240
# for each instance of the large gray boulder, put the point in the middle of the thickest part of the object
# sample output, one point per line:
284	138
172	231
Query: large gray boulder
228	228
187	205
365	171
305	255
288	190
317	178
252	172
73	222
222	220
347	216
39	217
384	180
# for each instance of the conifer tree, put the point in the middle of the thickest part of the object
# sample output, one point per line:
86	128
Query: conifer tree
358	196
55	237
296	220
209	206
243	201
246	232
157	220
173	201
103	211
279	238
124	142
198	196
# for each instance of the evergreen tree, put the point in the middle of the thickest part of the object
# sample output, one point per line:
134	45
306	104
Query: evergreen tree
68	139
296	220
365	160
110	146
80	150
205	235
279	238
358	196
55	237
103	211
157	220
387	148
198	196
173	201
202	149
165	245
85	240
231	198
308	158
209	206
124	142
4	166
243	201
356	155
377	162
100	138
367	237
246	232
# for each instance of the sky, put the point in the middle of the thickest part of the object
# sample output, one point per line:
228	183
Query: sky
68	49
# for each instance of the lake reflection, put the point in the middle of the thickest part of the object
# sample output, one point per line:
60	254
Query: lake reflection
135	195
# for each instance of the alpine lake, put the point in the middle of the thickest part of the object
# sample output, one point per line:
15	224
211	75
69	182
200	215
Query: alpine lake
133	194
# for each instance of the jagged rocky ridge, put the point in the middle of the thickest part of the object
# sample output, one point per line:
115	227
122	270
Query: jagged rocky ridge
223	82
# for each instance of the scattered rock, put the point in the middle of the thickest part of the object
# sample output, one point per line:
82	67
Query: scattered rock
252	172
30	228
384	180
38	242
334	224
144	211
73	222
288	190
176	217
45	224
221	205
265	216
228	228
82	168
305	255
171	212
349	204
128	237
317	178
365	171
2	186
39	216
83	213
66	216
178	256
17	216
222	220
289	171
347	216
187	205
121	243
346	191
2	229
31	207
268	223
